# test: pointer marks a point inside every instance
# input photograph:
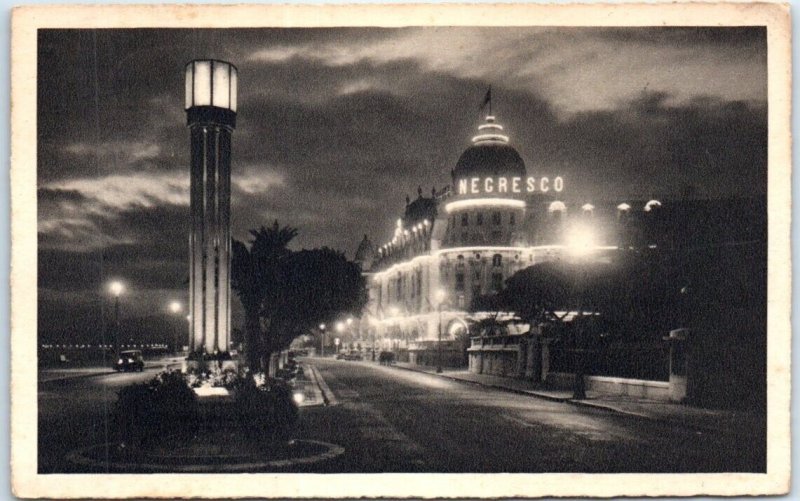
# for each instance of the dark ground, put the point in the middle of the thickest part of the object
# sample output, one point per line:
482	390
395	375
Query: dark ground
391	420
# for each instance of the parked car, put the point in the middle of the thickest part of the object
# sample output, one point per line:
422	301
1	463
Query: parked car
354	355
130	360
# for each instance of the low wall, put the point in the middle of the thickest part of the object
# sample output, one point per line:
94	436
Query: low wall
636	388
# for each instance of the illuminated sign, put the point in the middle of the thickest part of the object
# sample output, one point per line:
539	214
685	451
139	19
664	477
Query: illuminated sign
477	185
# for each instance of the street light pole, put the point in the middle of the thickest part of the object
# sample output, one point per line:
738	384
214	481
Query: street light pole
440	295
175	307
116	289
322	341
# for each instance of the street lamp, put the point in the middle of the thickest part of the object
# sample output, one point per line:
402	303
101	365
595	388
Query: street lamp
116	289
175	307
440	297
580	244
339	331
322	341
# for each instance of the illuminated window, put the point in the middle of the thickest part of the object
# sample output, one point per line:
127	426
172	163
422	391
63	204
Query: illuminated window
511	218
464	219
497	260
479	219
496	218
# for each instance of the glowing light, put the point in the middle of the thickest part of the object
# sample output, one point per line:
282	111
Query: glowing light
175	307
426	222
557	207
587	208
211	391
322	327
580	240
490	126
339	326
623	207
116	288
490	137
298	397
349	320
484	202
652	204
394	311
441	295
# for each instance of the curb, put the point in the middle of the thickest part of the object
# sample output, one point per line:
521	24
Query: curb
327	395
78	457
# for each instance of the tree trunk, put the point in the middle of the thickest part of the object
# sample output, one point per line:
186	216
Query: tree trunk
252	340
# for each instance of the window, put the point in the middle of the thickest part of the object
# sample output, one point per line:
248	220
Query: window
496	235
497	282
511	218
464	237
479	218
476	291
496	218
465	219
477	274
497	260
460	281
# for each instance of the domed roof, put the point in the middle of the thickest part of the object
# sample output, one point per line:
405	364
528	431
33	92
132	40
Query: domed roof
365	251
490	155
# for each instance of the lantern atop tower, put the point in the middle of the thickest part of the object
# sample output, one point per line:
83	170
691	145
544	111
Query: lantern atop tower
211	88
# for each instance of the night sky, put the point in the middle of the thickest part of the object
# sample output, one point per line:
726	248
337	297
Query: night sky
336	126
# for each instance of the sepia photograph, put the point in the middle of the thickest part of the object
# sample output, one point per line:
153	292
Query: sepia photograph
296	245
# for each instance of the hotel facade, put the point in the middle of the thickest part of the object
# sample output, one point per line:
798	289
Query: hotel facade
464	241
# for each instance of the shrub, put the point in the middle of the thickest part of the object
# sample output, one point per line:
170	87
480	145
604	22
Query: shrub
267	412
162	407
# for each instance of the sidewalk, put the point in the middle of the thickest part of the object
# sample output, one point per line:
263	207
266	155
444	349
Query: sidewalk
721	420
48	375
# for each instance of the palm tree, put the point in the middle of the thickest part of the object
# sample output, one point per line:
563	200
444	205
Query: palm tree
255	276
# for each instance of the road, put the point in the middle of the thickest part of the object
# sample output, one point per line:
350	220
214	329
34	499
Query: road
394	420
73	413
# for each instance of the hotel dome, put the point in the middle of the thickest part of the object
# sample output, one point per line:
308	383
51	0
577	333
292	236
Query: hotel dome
490	155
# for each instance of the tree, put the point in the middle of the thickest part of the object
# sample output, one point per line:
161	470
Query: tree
314	286
285	294
256	278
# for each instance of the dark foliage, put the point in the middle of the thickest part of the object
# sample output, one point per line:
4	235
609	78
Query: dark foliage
285	294
267	413
164	406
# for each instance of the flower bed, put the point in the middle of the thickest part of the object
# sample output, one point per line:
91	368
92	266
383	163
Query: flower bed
168	408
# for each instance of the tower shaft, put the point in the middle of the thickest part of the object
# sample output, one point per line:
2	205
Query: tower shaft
211	117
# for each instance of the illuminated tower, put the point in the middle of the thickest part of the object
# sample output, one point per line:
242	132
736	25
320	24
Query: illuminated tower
211	117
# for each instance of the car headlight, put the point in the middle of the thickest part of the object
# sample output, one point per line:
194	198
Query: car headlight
119	361
298	397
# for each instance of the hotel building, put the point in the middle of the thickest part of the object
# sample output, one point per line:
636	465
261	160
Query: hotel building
464	241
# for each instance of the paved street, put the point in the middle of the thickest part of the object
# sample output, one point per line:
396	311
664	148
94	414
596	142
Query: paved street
73	410
390	419
393	420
